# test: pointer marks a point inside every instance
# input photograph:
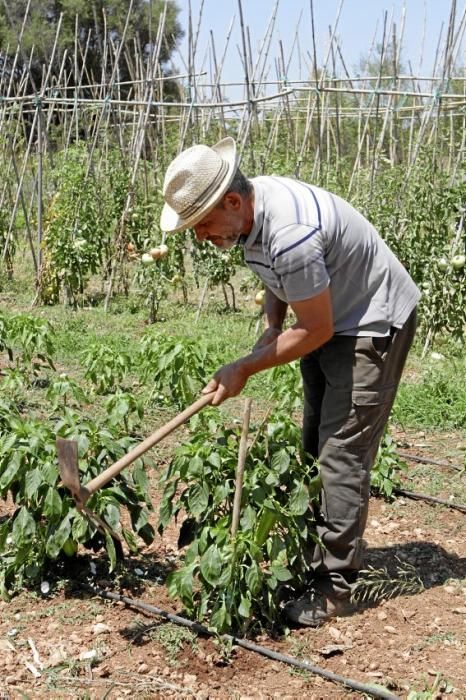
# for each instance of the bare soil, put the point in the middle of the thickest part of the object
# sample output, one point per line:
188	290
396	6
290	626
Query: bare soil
73	644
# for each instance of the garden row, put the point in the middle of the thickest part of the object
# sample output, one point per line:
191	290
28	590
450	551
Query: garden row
230	580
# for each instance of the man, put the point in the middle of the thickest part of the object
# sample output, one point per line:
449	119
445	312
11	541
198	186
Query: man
355	309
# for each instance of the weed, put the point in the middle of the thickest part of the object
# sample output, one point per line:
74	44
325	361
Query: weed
430	692
172	638
378	584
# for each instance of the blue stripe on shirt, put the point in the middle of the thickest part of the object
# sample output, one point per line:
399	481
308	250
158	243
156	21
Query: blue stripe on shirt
297	243
253	262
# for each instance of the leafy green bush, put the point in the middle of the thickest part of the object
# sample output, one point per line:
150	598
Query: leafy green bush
232	582
105	366
175	368
29	342
75	234
45	522
388	468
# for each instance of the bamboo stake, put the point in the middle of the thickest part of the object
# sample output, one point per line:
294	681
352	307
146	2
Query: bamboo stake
242	454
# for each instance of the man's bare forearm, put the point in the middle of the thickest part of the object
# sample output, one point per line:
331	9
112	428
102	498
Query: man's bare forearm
290	345
275	310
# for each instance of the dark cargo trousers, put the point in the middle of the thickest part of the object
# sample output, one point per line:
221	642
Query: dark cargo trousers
349	388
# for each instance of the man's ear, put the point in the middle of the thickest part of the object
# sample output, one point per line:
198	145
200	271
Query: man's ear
232	201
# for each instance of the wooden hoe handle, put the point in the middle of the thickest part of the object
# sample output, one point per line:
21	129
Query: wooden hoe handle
107	475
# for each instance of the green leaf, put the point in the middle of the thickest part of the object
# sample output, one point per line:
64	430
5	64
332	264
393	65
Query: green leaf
110	547
24	527
281	461
211	565
280	572
196	466
112	515
198	499
32	483
221	493
218	618
253	578
130	540
214	459
299	500
185	583
314	487
58	538
244	608
52	504
10	473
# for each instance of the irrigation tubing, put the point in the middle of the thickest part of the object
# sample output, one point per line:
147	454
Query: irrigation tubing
430	499
428	460
250	646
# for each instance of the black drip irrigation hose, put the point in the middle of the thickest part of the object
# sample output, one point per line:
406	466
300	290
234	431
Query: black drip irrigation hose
428	460
250	646
430	499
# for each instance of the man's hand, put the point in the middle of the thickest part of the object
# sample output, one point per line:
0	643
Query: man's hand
228	381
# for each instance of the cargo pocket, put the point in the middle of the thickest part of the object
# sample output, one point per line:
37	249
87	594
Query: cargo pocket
358	416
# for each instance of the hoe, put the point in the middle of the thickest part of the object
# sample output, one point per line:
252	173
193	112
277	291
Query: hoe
69	467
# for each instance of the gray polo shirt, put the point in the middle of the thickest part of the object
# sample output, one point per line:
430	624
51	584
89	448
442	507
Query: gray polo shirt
305	239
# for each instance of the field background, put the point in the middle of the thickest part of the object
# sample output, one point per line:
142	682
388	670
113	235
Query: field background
104	345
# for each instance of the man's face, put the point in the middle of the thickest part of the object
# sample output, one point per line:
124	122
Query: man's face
220	227
225	224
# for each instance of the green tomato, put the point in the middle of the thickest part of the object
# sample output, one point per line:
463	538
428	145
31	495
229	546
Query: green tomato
442	264
458	261
147	259
70	548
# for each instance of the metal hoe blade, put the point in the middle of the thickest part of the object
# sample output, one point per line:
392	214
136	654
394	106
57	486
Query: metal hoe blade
69	469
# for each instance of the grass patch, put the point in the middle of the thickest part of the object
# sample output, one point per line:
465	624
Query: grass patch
436	400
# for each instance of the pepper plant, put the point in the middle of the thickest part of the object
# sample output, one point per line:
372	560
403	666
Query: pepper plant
233	582
175	368
45	523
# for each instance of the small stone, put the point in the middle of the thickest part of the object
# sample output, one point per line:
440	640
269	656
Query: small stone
373	666
357	634
75	638
189	678
99	618
45	587
143	668
103	671
459	611
87	655
334	632
382	615
390	629
100	628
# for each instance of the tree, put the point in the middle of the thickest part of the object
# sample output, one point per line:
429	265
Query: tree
91	22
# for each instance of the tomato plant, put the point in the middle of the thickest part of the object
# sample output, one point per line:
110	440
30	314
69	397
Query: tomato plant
218	266
75	231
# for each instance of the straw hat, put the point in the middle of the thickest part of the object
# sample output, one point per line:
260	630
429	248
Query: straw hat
195	182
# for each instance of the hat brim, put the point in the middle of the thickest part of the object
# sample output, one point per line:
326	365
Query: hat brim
171	222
